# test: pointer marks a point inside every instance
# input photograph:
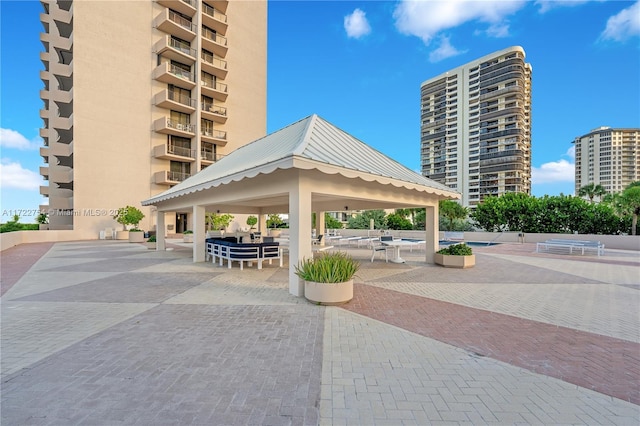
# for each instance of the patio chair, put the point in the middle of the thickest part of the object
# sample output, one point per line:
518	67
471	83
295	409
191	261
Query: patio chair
317	241
108	233
380	246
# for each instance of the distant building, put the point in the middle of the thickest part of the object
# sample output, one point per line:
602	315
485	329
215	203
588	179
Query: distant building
608	157
140	95
475	123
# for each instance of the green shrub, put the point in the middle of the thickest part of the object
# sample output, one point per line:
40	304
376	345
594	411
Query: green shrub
152	239
335	267
457	250
188	231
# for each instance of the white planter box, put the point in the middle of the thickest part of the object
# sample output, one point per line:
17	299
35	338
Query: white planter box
136	237
187	238
451	261
328	294
122	235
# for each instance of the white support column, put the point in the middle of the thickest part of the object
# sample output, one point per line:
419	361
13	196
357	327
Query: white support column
431	232
199	233
262	224
160	231
299	233
320	226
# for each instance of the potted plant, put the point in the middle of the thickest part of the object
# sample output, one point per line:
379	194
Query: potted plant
273	221
43	221
251	221
328	278
129	215
218	222
187	236
455	256
151	242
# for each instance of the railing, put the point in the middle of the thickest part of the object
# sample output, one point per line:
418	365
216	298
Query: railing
214	108
183	22
185	127
177	176
218	134
182	99
181	151
213	36
212	60
210	156
182	47
220	87
179	72
215	14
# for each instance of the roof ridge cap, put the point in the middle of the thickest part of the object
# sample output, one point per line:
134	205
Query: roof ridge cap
306	137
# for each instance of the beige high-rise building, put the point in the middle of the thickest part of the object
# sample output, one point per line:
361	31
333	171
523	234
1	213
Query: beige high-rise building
475	126
608	157
140	95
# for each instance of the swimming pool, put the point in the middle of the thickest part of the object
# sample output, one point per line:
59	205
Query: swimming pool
469	243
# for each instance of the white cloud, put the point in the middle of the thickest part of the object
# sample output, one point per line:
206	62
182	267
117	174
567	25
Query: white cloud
553	172
624	25
12	139
356	24
425	19
547	5
445	50
13	175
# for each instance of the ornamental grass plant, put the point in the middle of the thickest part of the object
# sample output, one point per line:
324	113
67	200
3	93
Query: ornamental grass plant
334	267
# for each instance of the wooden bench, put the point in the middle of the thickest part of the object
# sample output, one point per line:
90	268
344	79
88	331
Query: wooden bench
580	246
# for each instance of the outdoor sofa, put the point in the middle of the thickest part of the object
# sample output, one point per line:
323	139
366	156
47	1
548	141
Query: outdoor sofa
231	250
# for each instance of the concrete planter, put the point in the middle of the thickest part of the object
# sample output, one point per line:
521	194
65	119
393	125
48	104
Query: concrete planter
451	261
150	246
136	237
328	294
275	233
187	238
122	235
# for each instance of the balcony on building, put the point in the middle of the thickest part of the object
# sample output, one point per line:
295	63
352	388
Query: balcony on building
214	89
171	74
44	172
64	16
62	123
172	152
218	137
172	23
168	177
44	190
213	65
169	47
60	174
186	7
61	149
168	127
213	112
214	42
171	100
44	153
214	18
61	203
208	155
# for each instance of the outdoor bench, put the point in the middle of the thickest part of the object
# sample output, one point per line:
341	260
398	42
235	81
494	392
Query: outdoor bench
232	251
581	246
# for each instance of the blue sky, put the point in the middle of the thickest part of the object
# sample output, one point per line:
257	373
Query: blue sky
360	64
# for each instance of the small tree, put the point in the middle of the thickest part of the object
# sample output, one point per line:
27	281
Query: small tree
42	218
452	211
218	221
251	221
129	216
273	221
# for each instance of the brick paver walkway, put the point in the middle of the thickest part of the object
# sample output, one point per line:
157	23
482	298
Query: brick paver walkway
16	261
107	332
604	364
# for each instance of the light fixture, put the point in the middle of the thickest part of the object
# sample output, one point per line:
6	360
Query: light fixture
346	207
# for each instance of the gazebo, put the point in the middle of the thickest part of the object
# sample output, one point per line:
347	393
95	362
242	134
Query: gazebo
308	166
